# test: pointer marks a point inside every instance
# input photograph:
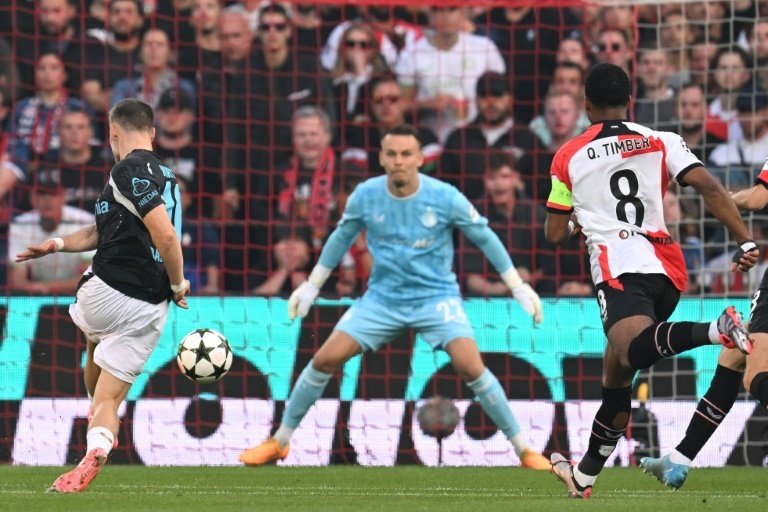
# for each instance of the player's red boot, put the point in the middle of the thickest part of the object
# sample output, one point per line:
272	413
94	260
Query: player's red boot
78	479
268	451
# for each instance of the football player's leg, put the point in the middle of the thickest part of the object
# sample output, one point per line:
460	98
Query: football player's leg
756	374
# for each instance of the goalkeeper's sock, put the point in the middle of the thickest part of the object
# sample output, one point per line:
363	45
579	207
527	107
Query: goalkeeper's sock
308	388
667	339
711	411
99	437
494	402
283	434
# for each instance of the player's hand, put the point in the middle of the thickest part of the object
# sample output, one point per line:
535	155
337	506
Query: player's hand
37	251
745	257
301	300
529	300
180	294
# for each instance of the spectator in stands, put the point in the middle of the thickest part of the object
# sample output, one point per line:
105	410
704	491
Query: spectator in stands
176	145
313	24
394	35
81	164
494	130
50	218
655	99
439	74
528	38
114	56
156	76
200	245
700	57
572	50
519	223
561	117
54	32
738	158
388	109
568	78
731	76
307	203
172	17
684	230
676	36
758	44
358	62
701	132
614	47
204	19
35	121
709	20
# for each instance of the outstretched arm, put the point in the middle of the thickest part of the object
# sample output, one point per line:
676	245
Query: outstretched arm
84	239
754	198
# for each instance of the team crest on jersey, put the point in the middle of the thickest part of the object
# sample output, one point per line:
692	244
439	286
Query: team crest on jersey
429	219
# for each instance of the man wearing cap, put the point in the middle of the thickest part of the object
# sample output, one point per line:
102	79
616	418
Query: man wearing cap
49	218
466	152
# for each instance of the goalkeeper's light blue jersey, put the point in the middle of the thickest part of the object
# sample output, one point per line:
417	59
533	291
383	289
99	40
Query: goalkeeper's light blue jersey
411	238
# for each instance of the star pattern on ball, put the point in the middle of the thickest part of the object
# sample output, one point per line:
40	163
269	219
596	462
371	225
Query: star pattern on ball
203	352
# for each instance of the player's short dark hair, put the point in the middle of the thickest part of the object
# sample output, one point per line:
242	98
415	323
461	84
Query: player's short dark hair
132	114
607	85
497	160
403	129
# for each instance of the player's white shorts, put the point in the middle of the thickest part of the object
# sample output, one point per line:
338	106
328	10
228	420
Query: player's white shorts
126	329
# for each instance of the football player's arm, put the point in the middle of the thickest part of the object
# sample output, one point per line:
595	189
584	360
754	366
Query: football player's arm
167	243
558	227
84	239
719	202
754	198
475	227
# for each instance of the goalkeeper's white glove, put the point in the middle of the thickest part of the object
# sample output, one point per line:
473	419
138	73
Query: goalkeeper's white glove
524	294
302	297
301	300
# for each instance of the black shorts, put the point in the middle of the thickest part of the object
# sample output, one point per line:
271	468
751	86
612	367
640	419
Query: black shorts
651	295
758	312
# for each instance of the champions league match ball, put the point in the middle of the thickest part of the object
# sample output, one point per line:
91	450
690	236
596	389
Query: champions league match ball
204	356
438	417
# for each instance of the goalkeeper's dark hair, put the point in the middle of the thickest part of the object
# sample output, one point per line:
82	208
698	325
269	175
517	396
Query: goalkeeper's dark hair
607	86
403	129
132	114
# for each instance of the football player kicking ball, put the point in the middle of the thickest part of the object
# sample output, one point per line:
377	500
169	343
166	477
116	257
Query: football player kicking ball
122	300
613	178
409	220
732	369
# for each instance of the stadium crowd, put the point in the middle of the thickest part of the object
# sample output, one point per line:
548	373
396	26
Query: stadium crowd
271	113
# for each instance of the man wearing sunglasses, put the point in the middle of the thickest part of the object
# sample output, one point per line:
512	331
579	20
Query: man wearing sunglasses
614	47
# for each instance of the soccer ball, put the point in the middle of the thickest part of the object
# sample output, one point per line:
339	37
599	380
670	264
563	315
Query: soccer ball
204	356
438	417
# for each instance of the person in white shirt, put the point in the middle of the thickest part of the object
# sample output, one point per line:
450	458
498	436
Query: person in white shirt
49	218
440	72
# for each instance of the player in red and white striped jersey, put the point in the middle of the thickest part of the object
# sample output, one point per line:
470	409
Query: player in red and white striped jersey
612	178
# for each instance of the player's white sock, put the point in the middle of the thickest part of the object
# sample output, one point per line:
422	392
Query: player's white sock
714	334
676	457
283	434
519	443
100	437
582	479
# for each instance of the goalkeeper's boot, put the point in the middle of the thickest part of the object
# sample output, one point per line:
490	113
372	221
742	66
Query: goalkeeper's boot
268	451
732	331
563	469
665	471
534	460
78	479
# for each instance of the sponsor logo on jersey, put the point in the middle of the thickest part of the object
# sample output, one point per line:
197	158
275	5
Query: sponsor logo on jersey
140	187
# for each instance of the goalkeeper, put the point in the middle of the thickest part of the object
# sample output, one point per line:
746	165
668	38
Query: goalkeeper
409	220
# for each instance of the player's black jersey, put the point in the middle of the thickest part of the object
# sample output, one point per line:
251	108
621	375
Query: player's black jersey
125	257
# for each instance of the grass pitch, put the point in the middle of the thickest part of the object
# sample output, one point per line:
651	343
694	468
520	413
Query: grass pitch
354	488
